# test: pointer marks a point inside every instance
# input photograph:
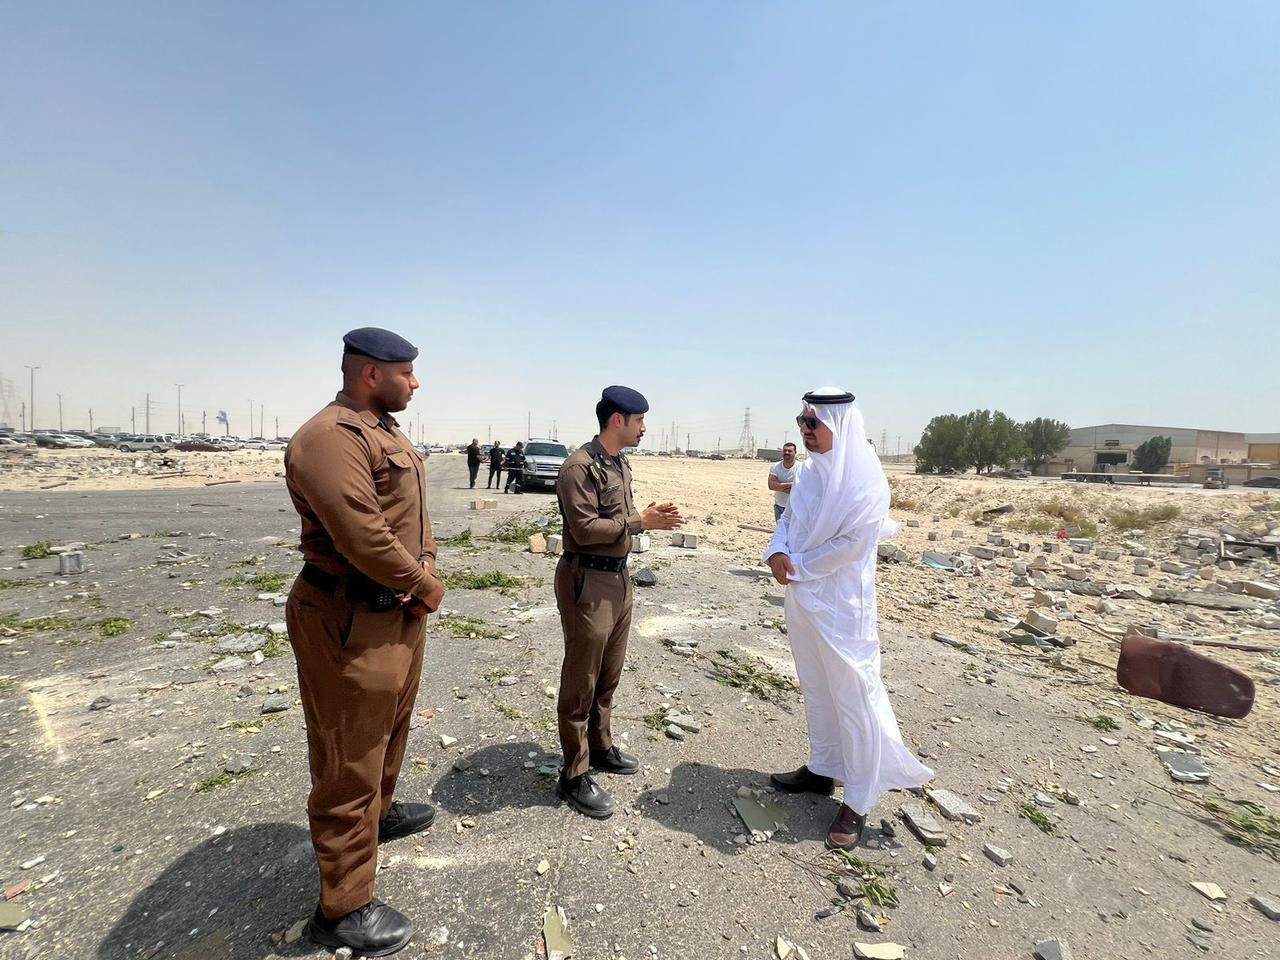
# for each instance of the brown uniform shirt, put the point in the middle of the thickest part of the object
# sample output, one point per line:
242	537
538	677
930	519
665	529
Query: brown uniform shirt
595	501
361	491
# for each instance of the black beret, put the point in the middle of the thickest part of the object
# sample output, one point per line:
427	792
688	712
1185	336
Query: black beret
379	344
625	399
828	396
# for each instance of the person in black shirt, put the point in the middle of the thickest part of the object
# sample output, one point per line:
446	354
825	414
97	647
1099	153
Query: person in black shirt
473	460
515	468
495	465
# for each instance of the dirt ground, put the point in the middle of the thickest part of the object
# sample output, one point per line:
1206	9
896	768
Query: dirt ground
126	837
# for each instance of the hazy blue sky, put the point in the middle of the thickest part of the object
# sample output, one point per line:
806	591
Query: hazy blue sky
1068	210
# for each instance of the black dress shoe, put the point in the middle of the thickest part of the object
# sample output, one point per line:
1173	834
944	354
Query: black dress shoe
803	781
846	829
583	795
374	930
614	760
404	819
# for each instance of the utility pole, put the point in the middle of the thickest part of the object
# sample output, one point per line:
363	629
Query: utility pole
277	428
262	409
33	394
133	419
899	445
59	413
148	414
555	430
24	416
250	418
687	442
91	419
203	415
179	386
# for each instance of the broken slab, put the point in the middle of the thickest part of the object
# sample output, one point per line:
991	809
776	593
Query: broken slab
1268	906
1052	950
997	855
641	543
762	817
923	824
1183	766
538	543
485	504
879	951
952	806
1210	891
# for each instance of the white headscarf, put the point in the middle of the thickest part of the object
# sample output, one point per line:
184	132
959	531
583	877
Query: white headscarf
842	489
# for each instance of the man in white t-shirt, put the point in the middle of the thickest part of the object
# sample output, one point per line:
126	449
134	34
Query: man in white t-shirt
781	476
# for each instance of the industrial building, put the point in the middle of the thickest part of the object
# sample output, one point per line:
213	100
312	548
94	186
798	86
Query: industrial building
1263	448
1109	447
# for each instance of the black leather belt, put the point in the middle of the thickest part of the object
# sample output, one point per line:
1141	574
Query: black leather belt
593	561
358	587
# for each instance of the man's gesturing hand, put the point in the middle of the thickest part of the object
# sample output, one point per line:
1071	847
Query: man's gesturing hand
661	516
782	569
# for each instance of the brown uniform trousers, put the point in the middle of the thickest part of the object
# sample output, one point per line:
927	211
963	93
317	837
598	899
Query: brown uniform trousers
360	490
594	490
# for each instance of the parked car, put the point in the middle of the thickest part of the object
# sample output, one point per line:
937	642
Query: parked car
188	446
143	441
1271	482
226	443
542	462
9	441
258	443
51	441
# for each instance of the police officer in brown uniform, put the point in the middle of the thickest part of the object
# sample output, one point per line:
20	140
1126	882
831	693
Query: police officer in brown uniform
356	618
593	594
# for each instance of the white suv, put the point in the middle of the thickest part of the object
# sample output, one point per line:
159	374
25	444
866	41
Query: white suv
144	441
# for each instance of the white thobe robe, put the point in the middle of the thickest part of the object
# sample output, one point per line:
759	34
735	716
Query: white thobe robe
831	622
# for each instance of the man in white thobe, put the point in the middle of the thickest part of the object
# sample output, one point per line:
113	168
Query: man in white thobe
824	551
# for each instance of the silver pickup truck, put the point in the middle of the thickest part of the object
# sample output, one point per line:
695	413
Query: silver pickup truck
542	460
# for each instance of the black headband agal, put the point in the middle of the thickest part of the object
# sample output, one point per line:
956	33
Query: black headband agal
828	399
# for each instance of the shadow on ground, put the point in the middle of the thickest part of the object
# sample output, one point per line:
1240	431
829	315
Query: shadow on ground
235	889
508	784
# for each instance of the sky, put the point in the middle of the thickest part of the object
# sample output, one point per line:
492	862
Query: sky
1060	210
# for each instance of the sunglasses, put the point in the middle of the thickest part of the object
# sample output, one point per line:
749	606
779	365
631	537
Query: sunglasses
810	422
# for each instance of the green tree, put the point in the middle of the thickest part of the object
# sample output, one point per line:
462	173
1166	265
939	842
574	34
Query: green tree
991	440
1010	445
942	445
1044	438
1153	455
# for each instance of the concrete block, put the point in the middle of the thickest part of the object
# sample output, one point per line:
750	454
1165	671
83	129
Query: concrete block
954	807
1050	546
934	535
1256	588
677	539
983	553
555	544
997	855
691	541
484	504
70	563
1168	566
538	543
1040	621
1072	572
1108	553
641	543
